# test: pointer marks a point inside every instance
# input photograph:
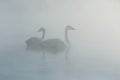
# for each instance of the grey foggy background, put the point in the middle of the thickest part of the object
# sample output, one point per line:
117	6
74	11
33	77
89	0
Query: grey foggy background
95	43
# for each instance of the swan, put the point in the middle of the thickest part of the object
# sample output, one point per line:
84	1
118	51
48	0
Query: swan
57	45
33	43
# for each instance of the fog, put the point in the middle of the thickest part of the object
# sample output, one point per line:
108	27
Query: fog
94	53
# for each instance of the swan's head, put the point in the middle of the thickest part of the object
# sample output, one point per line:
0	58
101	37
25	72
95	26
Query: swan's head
41	29
70	28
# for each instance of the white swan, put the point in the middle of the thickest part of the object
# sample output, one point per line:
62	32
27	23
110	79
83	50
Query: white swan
57	45
33	44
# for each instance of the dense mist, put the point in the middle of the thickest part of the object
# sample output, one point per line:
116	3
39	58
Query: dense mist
94	53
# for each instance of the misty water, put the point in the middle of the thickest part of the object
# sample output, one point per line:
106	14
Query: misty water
95	44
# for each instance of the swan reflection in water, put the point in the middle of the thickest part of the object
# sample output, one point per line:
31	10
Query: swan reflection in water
54	45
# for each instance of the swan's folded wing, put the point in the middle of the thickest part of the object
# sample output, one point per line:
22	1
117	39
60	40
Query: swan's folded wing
53	45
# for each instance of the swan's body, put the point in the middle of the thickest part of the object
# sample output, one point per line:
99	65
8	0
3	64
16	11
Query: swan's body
33	44
53	45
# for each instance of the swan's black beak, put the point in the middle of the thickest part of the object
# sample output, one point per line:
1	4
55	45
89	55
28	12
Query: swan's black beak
73	29
70	27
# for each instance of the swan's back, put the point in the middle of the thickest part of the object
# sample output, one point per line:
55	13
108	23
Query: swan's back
53	45
32	39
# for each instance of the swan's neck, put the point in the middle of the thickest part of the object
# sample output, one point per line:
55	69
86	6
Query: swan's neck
43	34
66	37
